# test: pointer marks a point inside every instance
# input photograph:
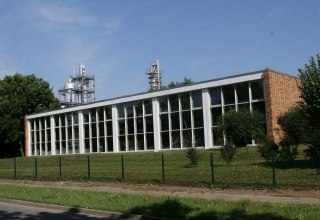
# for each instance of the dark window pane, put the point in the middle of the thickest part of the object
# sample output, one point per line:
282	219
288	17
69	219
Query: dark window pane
75	119
108	111
174	103
57	134
129	108
140	142
175	123
48	122
198	118
110	144
149	123
150	141
120	108
165	141
86	145
139	108
197	99
86	130
245	106
216	113
163	101
243	92
176	139
94	130
164	122
186	119
42	123
122	143
101	145
228	94
63	120
130	125
48	134
131	142
148	106
122	129
257	90
109	128
76	147
199	137
187	138
101	129
259	106
86	117
69	133
93	115
76	132
217	136
101	114
215	94
185	101
63	133
140	125
56	120
69	119
94	145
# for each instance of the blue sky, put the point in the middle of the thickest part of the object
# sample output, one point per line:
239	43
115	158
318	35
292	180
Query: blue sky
117	39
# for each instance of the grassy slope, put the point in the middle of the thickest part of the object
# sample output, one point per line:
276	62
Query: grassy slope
247	170
181	208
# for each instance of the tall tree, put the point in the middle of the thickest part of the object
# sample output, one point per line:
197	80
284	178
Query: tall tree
173	84
310	94
21	95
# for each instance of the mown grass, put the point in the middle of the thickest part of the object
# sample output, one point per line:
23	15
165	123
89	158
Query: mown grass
248	169
180	208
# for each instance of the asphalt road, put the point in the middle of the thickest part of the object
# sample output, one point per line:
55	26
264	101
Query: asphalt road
10	209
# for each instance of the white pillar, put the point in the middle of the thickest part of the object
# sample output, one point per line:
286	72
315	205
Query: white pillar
115	129
207	122
156	124
53	135
81	133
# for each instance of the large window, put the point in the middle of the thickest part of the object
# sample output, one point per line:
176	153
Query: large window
181	120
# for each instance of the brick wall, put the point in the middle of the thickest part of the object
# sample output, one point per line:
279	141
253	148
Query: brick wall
282	93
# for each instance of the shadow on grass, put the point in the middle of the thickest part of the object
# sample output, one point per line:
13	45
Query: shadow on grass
296	164
173	209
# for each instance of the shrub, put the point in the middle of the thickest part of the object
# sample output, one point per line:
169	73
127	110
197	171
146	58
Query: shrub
228	151
193	155
268	149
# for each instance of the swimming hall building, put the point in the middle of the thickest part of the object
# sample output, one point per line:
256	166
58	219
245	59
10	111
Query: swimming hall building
169	119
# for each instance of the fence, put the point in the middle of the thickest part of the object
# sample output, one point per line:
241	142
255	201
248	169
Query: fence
247	169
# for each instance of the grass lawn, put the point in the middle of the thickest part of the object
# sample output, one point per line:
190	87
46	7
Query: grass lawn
248	169
181	208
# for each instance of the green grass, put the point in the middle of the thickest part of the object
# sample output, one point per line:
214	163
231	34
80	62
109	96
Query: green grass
247	169
181	208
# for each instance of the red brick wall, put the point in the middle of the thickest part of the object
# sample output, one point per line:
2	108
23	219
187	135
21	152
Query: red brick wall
282	93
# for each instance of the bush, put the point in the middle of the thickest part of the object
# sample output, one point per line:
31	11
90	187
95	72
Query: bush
228	151
313	151
193	156
268	149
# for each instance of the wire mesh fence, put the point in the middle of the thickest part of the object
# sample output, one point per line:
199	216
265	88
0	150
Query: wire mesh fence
248	169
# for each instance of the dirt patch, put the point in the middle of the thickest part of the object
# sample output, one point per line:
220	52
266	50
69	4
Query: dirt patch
263	195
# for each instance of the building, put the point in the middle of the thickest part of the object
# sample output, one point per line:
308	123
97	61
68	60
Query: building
168	119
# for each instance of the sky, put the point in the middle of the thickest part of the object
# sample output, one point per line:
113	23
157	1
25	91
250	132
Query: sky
118	39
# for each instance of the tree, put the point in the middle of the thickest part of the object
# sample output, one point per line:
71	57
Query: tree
19	96
173	84
193	156
227	152
242	126
310	95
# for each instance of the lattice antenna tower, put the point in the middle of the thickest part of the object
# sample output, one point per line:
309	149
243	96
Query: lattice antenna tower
155	75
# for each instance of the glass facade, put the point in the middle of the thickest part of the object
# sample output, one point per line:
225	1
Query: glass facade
179	120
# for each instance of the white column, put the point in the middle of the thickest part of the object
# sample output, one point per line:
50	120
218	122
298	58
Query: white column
53	135
115	129
207	122
29	139
156	124
81	133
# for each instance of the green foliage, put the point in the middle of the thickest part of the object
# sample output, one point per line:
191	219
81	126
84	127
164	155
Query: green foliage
227	152
268	149
173	84
242	126
193	156
21	95
310	94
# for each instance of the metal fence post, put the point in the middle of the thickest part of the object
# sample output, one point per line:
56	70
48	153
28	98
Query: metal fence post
162	163
35	168
15	167
212	168
60	169
122	168
89	167
273	171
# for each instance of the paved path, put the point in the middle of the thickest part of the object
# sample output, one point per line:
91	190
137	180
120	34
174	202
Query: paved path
14	209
